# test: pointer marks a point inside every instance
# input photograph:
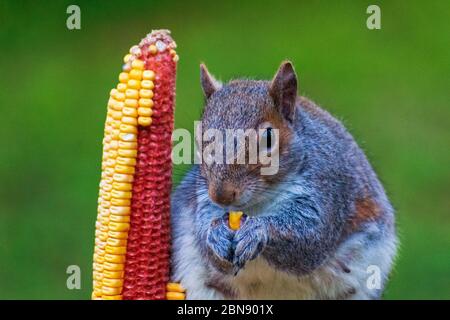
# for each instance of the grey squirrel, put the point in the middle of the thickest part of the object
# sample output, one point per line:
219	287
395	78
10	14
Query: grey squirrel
322	227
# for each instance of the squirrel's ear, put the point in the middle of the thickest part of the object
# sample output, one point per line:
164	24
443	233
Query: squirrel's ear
209	84
283	90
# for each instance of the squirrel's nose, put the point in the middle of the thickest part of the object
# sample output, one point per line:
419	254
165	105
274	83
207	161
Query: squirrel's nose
224	193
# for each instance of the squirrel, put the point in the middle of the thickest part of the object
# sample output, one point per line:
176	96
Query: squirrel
322	227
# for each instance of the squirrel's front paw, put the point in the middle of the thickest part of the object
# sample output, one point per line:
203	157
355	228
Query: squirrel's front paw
219	244
249	240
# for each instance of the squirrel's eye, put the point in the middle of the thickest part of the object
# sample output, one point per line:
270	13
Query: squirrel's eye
267	138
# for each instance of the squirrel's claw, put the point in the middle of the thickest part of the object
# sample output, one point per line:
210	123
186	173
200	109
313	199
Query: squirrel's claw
250	241
219	243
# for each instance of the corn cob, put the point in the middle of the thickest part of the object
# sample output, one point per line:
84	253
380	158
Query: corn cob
131	255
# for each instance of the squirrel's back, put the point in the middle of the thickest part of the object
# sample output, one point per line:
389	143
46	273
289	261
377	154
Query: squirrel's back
333	150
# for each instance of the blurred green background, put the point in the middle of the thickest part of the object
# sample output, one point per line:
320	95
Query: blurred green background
389	86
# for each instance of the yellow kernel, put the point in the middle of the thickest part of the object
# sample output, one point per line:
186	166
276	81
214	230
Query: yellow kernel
152	48
131	103
118	235
145	121
174	287
127	58
111	102
107	187
175	296
98	276
134	84
132	94
94	296
120	177
119	218
129	120
116	132
148	75
114	258
146	93
113	283
109	172
103	236
136	74
105	195
120	210
121	186
102	212
112	153
120	202
172	52
145	112
108	128
97	284
99	259
110	163
97	293
99	251
113	274
123	169
127	153
98	267
121	194
116	242
126	161
234	219
123	77
116	115
120	96
128	145
129	111
128	136
138	64
113	92
108	180
108	291
105	204
105	222
116	250
119	226
147	84
128	128
100	243
121	87
176	58
148	103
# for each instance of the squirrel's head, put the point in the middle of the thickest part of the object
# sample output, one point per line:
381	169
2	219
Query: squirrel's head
246	136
